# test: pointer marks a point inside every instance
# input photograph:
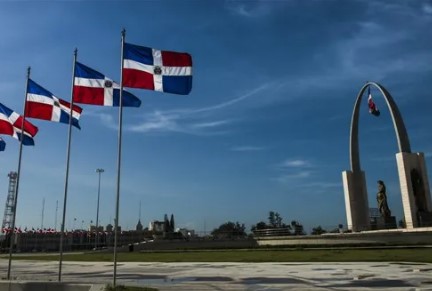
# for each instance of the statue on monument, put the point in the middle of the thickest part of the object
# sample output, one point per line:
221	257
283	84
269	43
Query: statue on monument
382	200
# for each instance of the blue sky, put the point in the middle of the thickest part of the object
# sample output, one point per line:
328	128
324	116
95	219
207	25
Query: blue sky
266	126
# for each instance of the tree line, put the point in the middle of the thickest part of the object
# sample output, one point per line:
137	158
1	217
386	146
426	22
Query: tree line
234	230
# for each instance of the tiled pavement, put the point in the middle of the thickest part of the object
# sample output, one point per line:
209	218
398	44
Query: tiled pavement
234	276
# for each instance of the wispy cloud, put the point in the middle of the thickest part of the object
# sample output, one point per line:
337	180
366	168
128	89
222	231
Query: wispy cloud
293	169
240	9
296	163
185	120
308	181
157	121
285	178
211	124
160	121
254	91
106	119
253	9
372	41
427	8
363	55
247	148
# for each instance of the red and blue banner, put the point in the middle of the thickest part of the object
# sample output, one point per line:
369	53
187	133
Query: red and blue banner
11	124
42	104
152	69
92	87
373	109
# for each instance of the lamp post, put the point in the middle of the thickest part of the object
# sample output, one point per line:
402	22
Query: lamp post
99	171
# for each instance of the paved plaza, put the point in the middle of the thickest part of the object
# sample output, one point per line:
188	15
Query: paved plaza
235	276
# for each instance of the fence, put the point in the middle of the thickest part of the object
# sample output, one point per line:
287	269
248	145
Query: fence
72	241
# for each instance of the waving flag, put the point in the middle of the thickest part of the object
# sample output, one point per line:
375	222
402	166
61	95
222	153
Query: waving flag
11	123
42	104
92	87
157	70
372	106
2	145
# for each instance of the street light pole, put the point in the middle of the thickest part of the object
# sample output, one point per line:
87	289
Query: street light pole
99	171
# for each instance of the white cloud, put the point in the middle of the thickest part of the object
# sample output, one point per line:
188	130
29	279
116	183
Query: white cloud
296	164
427	8
293	169
293	176
157	121
241	10
106	119
160	121
184	120
373	41
245	95
211	124
253	9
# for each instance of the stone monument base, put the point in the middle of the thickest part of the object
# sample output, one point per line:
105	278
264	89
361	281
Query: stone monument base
386	222
424	218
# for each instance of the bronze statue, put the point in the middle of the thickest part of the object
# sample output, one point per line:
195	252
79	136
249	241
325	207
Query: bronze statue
382	200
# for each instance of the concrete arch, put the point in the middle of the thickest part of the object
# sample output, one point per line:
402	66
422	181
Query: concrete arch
399	126
417	204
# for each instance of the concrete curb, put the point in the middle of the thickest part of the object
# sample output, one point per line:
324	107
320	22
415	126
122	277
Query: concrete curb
48	286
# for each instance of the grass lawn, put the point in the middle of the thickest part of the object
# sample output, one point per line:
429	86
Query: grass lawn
253	256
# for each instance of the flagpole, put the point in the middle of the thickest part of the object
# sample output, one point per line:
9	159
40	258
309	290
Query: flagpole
12	237
67	168
116	223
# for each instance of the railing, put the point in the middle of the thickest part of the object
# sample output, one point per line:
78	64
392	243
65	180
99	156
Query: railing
283	231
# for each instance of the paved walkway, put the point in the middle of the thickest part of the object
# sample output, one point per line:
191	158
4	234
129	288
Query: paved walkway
235	276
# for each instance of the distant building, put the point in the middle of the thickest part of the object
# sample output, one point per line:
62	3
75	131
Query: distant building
92	228
139	226
186	232
157	226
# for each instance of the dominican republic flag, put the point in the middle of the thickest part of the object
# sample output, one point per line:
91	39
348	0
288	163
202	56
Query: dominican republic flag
42	104
11	123
92	87
164	71
2	145
373	109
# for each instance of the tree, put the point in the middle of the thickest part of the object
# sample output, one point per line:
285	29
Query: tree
172	225
272	219
318	230
278	219
275	220
259	225
229	230
298	228
166	224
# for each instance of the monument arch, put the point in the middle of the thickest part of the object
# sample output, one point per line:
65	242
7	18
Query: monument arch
415	191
